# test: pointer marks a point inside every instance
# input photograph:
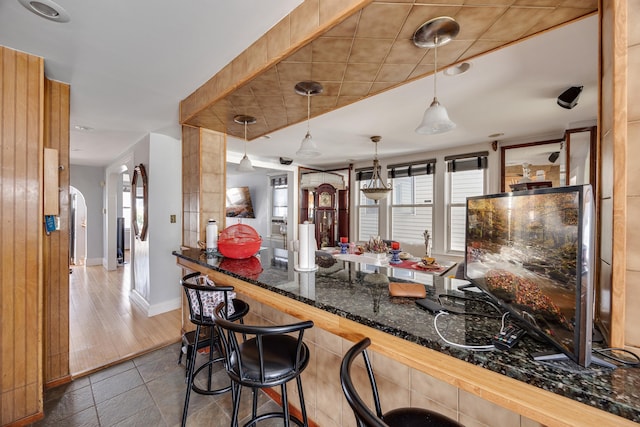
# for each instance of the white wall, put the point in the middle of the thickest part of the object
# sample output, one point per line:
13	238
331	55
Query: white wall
155	277
89	180
165	199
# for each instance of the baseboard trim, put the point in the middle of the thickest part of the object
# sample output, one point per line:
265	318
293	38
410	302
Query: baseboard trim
153	310
164	307
93	261
58	382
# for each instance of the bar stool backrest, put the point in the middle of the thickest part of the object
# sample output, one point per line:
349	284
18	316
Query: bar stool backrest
204	297
259	372
365	417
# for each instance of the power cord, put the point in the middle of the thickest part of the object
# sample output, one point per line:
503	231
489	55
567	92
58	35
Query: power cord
606	353
490	347
454	298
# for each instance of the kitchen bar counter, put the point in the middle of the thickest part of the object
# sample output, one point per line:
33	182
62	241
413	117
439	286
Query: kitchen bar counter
351	300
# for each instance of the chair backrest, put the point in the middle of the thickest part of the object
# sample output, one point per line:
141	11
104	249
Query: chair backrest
365	416
253	339
203	298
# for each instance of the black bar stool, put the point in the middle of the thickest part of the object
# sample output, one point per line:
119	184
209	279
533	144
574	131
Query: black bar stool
365	416
202	299
266	357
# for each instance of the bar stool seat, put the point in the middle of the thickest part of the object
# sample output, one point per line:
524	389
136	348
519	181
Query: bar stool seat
267	356
201	299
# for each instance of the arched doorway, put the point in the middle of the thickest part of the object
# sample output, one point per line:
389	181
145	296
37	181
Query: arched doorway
77	227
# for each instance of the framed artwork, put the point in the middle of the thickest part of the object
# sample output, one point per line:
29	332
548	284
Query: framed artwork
239	203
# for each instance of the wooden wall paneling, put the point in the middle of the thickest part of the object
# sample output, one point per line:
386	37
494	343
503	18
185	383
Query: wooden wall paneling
56	244
21	91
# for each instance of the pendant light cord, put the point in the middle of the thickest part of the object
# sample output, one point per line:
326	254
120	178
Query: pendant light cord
308	110
245	138
435	65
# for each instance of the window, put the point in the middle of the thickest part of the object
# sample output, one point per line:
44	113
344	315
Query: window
466	176
279	193
368	210
412	201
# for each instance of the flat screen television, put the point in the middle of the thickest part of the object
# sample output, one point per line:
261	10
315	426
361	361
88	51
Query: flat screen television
532	252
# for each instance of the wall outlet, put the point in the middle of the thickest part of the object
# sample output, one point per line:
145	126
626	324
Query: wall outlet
172	219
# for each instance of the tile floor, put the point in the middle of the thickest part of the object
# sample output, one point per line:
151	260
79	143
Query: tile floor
146	391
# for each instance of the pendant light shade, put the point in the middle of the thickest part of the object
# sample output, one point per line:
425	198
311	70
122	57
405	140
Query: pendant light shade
435	120
376	189
431	34
245	164
308	148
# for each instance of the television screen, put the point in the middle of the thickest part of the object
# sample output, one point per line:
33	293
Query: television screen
532	251
239	203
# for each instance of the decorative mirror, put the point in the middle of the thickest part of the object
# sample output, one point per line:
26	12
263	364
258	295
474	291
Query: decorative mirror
534	165
552	163
139	202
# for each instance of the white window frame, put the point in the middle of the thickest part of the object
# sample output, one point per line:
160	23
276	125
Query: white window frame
368	204
414	205
448	196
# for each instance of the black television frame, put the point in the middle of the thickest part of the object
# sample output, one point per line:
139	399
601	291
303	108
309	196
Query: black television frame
581	353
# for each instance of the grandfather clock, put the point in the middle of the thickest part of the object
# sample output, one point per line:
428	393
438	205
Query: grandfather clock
325	215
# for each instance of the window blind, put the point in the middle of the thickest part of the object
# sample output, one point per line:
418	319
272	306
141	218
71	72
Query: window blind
467	162
425	167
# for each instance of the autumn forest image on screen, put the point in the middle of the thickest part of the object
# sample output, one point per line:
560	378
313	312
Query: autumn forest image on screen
523	249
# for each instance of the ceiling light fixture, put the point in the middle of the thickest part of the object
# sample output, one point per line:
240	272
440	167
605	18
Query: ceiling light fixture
46	9
376	189
245	164
431	34
308	148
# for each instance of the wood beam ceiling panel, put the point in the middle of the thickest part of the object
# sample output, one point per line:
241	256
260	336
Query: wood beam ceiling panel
367	51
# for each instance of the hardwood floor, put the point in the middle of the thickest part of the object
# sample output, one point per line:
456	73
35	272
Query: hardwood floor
105	326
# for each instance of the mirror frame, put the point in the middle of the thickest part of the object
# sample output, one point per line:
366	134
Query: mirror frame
139	174
503	154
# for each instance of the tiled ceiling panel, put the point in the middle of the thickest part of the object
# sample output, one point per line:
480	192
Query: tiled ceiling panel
372	51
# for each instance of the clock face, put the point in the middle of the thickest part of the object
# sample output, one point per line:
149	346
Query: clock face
324	201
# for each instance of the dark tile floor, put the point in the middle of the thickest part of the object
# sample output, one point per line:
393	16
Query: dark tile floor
146	391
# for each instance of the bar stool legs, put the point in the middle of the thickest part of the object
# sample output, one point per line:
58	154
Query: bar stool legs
202	300
285	414
192	372
268	356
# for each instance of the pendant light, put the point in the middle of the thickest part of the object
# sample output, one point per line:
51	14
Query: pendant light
431	34
308	148
245	164
376	189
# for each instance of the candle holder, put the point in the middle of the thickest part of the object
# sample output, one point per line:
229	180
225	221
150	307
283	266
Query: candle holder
395	256
343	247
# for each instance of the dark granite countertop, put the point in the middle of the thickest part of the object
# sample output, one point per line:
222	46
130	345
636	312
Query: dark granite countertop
359	292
